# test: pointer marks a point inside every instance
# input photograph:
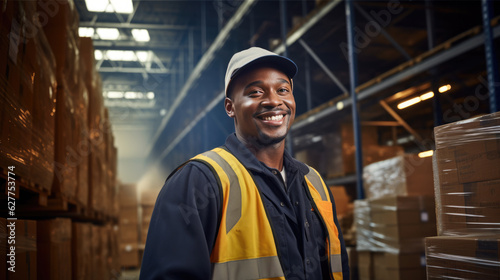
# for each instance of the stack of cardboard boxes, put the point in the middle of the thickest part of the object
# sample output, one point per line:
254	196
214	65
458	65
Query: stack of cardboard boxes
128	226
148	200
393	221
467	184
333	156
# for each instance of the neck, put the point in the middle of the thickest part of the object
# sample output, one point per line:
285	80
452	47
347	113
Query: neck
270	155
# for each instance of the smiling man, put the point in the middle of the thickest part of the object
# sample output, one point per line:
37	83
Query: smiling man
248	210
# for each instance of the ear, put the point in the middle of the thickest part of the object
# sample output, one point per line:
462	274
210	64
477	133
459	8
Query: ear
229	106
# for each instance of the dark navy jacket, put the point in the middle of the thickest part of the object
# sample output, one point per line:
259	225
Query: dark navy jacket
184	223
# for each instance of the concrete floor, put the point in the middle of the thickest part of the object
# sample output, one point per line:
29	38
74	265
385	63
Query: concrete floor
130	274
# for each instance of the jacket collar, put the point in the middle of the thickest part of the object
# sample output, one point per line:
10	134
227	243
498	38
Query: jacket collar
245	156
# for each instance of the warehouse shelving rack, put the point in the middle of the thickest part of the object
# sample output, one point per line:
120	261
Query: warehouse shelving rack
435	56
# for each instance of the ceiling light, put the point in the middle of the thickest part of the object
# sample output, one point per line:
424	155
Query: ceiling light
408	103
427	95
133	95
340	105
108	33
163	112
140	35
114	94
86	31
121	55
444	88
425	154
150	95
142	56
110	6
98	55
96	5
122	6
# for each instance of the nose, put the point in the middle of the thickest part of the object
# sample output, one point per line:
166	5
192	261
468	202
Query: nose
272	99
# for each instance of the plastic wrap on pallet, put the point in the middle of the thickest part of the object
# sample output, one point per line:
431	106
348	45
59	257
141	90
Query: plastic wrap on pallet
16	93
467	183
26	260
362	221
401	175
463	257
82	145
469	151
399	224
44	114
81	254
54	249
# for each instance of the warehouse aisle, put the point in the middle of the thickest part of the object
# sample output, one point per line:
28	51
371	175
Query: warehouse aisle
130	274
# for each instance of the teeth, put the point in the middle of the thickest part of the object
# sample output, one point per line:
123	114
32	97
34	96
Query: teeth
274	118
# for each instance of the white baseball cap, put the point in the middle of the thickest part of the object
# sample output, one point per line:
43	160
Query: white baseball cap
253	55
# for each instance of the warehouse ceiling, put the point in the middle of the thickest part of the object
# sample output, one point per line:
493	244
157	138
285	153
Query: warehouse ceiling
159	88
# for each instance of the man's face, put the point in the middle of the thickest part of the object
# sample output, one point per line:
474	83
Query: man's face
262	105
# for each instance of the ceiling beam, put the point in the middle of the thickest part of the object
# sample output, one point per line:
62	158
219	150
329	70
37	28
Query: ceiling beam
133	70
203	63
133	45
134	25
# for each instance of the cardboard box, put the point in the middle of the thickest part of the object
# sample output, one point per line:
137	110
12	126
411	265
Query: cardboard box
96	249
54	249
341	200
403	210
26	259
365	265
468	209
129	255
148	197
362	221
468	151
129	234
463	257
399	266
352	254
401	175
127	195
129	216
3	248
81	253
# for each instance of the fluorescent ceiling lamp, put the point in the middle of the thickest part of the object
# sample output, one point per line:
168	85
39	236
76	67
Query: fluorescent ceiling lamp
133	95
427	95
98	54
122	6
110	6
408	103
444	88
142	56
150	95
114	94
425	154
140	35
108	33
96	5
86	31
121	55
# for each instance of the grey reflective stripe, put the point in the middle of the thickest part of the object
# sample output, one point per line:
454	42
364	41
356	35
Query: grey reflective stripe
336	262
233	213
260	268
317	183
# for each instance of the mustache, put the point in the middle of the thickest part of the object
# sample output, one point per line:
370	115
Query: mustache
287	110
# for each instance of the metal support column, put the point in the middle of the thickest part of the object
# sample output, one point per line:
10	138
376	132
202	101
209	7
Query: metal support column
436	101
283	25
491	58
307	73
353	73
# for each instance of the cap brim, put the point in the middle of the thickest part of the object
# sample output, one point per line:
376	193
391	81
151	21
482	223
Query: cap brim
281	63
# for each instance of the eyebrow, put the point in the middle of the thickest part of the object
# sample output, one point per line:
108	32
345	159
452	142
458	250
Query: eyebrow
255	83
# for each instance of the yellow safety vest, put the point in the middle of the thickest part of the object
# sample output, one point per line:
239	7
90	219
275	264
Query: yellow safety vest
245	246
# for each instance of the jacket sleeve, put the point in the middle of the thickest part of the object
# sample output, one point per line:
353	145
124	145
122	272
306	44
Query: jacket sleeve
183	226
343	251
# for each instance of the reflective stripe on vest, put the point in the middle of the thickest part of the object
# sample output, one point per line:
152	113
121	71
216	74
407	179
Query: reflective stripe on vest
245	246
319	193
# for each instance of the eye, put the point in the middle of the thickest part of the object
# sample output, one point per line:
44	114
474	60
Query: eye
255	93
283	90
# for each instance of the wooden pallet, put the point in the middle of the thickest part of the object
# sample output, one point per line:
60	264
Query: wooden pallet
25	192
